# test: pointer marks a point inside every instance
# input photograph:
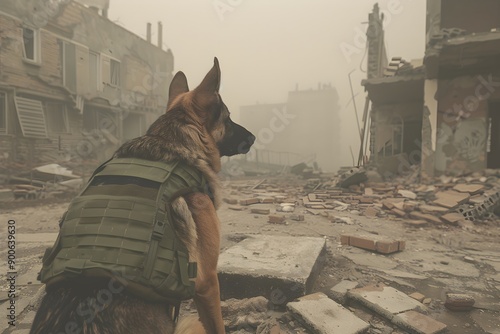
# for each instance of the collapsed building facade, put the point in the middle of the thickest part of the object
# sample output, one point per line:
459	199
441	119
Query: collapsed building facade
444	112
74	84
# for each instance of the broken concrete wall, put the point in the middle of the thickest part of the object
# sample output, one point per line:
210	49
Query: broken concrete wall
457	14
131	79
396	136
463	124
429	128
433	19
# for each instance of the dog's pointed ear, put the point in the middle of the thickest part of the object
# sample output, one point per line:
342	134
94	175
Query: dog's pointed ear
211	82
179	85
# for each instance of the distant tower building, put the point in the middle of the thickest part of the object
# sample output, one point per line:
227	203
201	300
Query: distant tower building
306	127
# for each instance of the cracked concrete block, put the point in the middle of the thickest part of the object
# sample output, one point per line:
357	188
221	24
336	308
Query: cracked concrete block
276	267
339	291
385	300
418	323
324	316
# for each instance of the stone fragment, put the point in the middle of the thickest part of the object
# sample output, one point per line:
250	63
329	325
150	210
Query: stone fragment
417	296
373	243
271	266
275	219
459	302
324	316
418	323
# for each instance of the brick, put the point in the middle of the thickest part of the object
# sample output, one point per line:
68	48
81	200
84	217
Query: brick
362	242
344	239
298	218
450	199
398	212
469	188
432	209
387	247
366	200
425	216
407	194
459	302
368	191
260	211
417	296
452	218
373	243
249	201
388	204
267	200
236	208
417	223
275	219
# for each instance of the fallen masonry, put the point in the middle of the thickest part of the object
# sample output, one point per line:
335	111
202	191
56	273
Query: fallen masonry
397	307
385	300
373	243
324	316
276	267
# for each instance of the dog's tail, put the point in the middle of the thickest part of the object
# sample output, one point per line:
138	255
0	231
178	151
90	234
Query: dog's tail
189	325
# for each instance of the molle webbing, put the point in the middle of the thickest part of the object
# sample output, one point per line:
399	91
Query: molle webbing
121	224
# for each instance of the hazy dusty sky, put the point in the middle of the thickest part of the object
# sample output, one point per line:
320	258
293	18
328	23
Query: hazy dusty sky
266	47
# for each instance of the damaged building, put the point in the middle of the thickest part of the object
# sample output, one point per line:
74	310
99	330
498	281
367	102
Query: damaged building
73	84
443	112
305	129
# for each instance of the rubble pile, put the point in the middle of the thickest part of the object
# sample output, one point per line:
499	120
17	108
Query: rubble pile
449	200
46	181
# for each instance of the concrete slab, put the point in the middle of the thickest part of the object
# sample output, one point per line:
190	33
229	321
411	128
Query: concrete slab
418	323
376	261
385	300
279	268
324	316
339	291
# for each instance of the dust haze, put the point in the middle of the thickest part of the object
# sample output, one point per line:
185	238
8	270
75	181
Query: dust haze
270	48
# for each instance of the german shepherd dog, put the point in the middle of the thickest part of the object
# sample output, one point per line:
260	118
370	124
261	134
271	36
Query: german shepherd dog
197	129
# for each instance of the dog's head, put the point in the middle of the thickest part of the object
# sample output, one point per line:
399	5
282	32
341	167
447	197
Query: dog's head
211	112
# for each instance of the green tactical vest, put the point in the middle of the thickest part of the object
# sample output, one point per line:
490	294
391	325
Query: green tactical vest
121	226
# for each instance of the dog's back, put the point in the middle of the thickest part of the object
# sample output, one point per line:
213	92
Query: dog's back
197	130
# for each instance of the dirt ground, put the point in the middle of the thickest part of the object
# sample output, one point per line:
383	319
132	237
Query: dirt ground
438	258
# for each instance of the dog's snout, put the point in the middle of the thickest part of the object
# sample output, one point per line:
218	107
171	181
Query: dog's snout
251	140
